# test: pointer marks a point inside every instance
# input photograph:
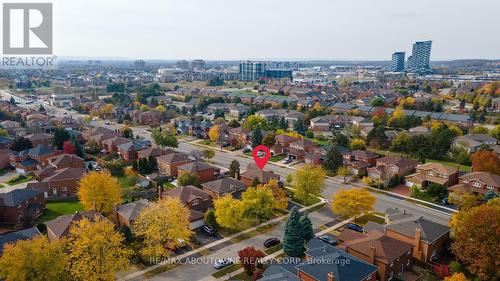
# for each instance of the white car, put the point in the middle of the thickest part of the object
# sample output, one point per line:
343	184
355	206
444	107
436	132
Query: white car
221	263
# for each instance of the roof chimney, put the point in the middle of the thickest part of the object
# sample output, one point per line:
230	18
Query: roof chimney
372	254
330	276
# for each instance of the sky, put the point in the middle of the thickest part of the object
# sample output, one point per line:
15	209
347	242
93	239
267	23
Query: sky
275	29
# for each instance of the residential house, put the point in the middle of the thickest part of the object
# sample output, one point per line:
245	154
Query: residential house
477	183
66	161
111	144
153	152
473	142
340	266
239	136
60	227
361	155
126	214
318	155
6	142
30	159
151	117
391	256
204	171
5	158
196	200
427	237
168	163
285	140
299	148
432	173
40	139
128	151
221	187
391	166
57	183
19	203
13	237
253	172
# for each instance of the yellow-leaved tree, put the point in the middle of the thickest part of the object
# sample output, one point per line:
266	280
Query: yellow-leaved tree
33	260
96	251
279	194
163	224
213	133
99	191
308	183
259	202
352	202
228	212
457	276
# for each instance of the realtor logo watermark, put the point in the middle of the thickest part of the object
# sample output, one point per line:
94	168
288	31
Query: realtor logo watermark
28	36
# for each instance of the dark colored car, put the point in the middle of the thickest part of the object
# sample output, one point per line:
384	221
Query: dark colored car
225	144
328	239
271	242
355	227
208	229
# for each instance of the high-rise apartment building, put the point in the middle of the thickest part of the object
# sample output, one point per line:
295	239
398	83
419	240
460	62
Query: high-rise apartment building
198	64
252	70
420	57
398	62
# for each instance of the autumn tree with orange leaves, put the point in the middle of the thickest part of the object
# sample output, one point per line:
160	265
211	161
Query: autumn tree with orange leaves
485	161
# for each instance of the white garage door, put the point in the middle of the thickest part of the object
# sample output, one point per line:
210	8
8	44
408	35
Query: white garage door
196	224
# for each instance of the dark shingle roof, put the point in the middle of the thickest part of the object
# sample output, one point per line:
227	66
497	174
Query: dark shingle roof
131	210
224	185
430	231
17	196
13	237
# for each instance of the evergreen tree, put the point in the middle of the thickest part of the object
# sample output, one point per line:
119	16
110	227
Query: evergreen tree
257	137
283	123
153	166
210	218
255	182
234	169
12	100
300	127
333	160
293	242
60	136
307	228
135	166
41	109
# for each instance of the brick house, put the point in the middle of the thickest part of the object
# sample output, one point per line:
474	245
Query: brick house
66	161
155	152
477	183
40	139
204	171
428	238
57	183
151	117
390	166
432	173
168	163
30	159
128	151
126	214
254	172
361	155
196	200
298	149
285	140
60	227
111	144
5	158
224	186
16	204
347	268
391	256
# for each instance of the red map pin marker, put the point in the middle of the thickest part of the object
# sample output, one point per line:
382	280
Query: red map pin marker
262	157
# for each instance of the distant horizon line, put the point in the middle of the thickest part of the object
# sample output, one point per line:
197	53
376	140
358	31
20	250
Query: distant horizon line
255	59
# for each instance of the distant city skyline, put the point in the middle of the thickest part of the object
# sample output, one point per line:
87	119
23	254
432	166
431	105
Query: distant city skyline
358	30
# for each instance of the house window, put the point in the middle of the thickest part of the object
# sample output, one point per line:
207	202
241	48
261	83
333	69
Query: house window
490	187
195	202
476	184
64	188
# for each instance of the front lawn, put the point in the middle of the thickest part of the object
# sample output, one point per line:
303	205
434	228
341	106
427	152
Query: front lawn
19	179
56	209
2	186
277	158
370	217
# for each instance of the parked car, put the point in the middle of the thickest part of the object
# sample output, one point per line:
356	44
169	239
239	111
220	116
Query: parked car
286	160
246	149
271	242
328	239
208	229
355	227
445	201
221	263
225	144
